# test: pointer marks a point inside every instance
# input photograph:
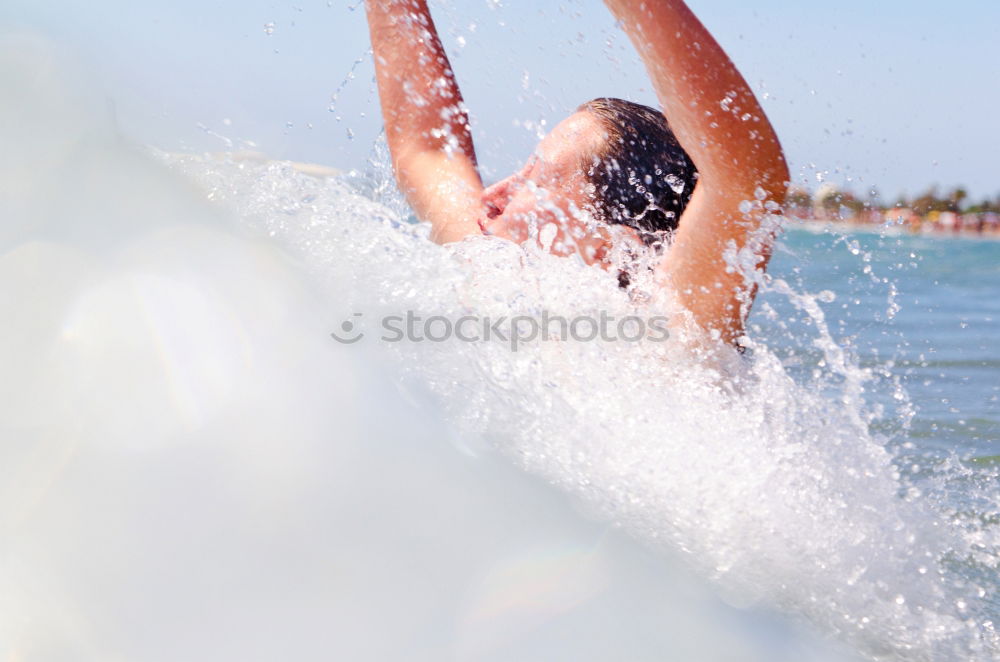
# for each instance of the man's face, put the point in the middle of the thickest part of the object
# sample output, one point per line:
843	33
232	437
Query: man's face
552	189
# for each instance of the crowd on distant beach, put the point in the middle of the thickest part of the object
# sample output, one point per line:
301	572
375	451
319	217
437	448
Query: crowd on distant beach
935	222
929	215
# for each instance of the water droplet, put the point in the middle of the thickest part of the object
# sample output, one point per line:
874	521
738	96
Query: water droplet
269	28
675	183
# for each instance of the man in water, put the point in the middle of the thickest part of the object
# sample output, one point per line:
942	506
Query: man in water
702	175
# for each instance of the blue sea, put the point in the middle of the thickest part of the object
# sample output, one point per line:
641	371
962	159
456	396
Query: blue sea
926	310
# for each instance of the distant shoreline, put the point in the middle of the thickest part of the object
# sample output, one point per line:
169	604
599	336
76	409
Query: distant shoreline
852	227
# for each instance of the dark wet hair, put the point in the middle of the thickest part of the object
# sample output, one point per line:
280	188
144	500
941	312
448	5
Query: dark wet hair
642	177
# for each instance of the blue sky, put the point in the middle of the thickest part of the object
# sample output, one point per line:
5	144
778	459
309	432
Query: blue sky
895	94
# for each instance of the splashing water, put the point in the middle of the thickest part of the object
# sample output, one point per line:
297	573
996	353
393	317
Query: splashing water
162	350
774	487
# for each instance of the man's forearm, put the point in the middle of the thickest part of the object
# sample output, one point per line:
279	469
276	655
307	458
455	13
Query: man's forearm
421	103
709	105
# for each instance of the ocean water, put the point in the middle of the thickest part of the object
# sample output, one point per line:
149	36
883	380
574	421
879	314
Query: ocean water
192	467
935	324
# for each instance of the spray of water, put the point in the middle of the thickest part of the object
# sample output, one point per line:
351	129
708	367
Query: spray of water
772	486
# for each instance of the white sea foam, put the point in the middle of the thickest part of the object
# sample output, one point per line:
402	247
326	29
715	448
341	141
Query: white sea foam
193	468
775	489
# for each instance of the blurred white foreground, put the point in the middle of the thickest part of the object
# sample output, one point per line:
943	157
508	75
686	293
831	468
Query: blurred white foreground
191	470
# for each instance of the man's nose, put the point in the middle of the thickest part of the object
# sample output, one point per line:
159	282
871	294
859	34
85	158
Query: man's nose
496	196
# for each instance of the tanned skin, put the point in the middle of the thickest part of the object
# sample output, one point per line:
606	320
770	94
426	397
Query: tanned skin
711	109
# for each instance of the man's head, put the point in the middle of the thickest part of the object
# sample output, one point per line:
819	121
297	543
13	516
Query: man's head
642	177
612	161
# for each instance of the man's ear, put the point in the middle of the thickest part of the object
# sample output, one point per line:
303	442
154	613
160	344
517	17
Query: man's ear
623	233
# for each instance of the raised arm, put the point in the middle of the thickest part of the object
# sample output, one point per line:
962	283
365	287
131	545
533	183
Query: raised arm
426	125
720	124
